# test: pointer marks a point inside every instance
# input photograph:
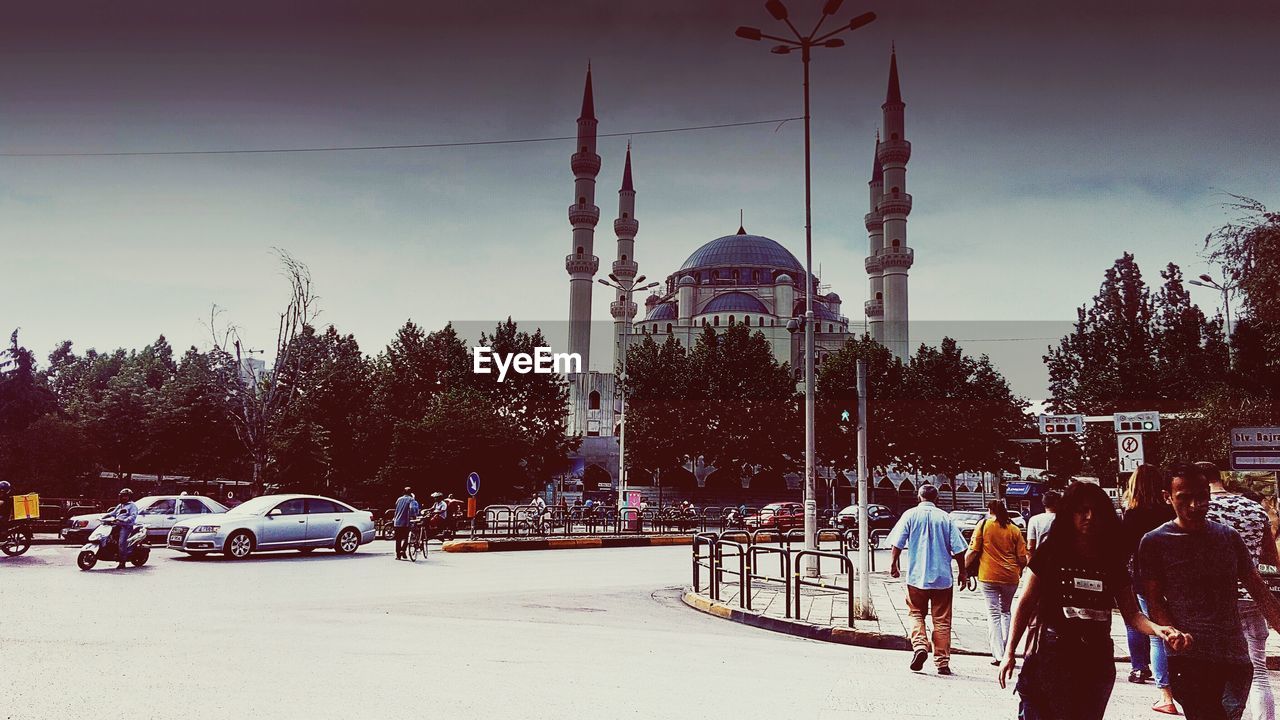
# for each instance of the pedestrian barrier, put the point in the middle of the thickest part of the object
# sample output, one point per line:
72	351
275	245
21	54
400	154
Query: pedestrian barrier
845	564
744	578
708	539
784	572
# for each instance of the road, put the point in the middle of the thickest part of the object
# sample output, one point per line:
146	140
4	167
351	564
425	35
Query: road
559	634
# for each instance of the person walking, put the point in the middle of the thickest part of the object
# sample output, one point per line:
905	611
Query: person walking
407	509
1000	553
1190	569
1144	511
1038	526
1249	519
1073	581
932	541
126	516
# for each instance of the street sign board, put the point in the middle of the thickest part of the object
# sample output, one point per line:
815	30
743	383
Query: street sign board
1061	424
1137	422
473	484
1256	460
1129	451
1256	437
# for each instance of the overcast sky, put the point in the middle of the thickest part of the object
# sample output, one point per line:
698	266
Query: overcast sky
1045	143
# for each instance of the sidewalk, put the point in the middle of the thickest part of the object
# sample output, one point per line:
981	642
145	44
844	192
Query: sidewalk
823	615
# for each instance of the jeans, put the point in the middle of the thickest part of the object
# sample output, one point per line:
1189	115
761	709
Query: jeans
938	604
999	601
1262	705
1210	689
1154	650
122	542
402	540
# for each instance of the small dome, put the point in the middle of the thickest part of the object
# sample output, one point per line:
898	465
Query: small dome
686	280
833	298
663	311
735	302
651	300
783	279
820	312
743	250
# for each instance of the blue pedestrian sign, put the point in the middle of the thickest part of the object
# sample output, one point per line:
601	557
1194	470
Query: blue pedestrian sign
473	484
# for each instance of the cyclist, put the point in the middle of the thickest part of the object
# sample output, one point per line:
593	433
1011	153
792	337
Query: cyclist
539	511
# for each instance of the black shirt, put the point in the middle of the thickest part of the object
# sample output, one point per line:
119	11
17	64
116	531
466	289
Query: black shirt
1078	592
1141	520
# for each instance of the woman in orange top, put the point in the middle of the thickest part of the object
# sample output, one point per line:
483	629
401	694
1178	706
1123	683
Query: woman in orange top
1003	553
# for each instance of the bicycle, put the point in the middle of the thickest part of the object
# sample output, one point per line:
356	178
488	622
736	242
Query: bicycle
535	525
417	544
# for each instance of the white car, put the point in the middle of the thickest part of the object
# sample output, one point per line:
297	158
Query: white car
275	522
157	513
967	521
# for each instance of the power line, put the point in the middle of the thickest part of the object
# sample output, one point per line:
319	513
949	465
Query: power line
419	146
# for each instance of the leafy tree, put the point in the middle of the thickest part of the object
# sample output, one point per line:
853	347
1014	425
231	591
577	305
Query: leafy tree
24	401
887	405
660	406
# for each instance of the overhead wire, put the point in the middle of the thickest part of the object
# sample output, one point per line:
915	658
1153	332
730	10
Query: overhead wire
358	148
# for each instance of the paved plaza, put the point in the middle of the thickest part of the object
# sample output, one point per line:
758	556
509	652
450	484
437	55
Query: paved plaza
597	633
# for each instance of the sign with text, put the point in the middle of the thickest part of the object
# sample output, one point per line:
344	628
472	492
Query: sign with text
1255	448
1256	437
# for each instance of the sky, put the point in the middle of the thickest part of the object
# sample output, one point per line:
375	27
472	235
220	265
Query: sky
1047	140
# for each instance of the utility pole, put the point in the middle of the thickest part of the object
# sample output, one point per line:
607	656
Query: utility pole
865	610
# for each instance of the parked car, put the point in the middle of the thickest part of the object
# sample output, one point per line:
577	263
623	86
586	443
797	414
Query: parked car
879	517
158	513
275	522
967	521
52	518
781	516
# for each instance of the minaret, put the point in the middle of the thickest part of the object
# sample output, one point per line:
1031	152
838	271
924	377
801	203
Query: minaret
894	206
582	263
625	227
875	231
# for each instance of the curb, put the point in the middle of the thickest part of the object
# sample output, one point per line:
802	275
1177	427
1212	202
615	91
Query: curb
844	636
470	546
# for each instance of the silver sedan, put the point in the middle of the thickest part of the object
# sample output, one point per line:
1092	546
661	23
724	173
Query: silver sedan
275	522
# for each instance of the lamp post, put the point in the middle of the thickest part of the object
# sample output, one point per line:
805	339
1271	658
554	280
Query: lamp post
626	287
1225	288
805	44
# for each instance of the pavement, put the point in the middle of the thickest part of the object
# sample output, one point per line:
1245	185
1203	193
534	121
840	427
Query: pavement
823	613
598	633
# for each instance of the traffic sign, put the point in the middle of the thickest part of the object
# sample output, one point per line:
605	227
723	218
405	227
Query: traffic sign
473	484
1129	451
1061	424
1256	437
1137	422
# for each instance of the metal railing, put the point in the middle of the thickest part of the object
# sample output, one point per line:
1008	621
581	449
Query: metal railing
845	563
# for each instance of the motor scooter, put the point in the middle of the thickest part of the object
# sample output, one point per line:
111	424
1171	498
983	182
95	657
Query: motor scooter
102	545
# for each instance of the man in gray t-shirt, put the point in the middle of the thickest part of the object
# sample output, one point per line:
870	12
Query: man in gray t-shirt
1189	569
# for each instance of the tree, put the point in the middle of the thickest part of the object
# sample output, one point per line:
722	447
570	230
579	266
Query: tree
837	392
24	401
660	406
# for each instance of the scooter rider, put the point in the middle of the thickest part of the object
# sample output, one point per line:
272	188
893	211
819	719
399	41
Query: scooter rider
125	515
6	504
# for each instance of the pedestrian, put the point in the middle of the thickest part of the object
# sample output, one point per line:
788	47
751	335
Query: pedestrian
1000	554
932	541
1074	580
1144	511
407	509
1190	569
126	516
1249	519
1038	526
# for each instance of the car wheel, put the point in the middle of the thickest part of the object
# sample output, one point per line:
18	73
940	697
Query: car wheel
239	545
86	560
348	541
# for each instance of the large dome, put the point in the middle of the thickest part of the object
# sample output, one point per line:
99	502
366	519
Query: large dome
744	250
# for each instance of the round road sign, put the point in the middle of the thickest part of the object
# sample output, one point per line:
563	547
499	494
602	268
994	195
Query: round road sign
1129	444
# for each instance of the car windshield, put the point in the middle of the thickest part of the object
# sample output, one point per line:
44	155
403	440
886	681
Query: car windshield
256	506
215	506
967	516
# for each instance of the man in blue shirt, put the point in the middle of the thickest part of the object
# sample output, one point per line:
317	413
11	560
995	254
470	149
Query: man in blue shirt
407	509
126	516
932	541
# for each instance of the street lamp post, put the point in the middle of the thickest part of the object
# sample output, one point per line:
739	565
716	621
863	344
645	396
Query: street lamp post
626	288
805	44
1225	288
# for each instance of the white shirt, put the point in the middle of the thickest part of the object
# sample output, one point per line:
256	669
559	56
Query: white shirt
1038	528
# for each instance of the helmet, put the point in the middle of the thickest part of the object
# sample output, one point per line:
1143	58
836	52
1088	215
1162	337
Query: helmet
436	495
126	492
5	487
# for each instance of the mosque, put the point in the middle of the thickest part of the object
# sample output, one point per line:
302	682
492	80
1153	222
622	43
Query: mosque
738	278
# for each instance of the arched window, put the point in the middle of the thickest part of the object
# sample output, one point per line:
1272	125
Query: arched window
896	190
624	258
668	328
655	328
704	322
593	400
896	242
715	274
893	136
880	296
730	319
582	201
830	327
735	276
579	250
625	214
716	321
746	321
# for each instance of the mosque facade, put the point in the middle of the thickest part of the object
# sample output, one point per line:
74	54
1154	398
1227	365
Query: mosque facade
739	278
